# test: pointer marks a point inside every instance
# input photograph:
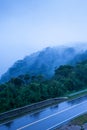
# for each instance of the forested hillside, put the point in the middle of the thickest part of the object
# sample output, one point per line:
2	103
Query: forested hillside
43	62
26	89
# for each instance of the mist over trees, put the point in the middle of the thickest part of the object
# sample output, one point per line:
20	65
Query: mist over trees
26	89
45	62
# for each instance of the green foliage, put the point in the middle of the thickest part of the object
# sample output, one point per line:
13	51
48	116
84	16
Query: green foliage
24	90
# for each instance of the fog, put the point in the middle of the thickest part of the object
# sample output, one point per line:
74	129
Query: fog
29	26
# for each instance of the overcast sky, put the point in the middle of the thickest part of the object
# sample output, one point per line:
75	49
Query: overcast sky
27	26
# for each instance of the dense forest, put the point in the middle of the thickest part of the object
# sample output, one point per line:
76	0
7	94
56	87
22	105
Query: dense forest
26	89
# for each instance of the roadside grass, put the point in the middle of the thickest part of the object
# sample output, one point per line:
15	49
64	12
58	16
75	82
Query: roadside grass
79	120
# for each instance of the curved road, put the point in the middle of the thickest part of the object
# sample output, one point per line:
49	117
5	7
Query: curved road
50	117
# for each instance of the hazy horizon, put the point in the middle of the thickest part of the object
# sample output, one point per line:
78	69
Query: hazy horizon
29	26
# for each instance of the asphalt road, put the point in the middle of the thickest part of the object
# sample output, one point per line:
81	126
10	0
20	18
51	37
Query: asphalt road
49	118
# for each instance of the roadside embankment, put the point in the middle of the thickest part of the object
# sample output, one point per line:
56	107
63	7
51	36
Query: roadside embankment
79	123
29	108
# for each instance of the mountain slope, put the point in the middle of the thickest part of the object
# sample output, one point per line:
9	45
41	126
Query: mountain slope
44	62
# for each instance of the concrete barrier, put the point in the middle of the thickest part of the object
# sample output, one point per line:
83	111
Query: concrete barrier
19	111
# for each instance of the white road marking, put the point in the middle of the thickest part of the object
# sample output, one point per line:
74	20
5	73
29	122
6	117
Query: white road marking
50	116
65	121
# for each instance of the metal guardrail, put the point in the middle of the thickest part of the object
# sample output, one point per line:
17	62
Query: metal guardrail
79	92
29	108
